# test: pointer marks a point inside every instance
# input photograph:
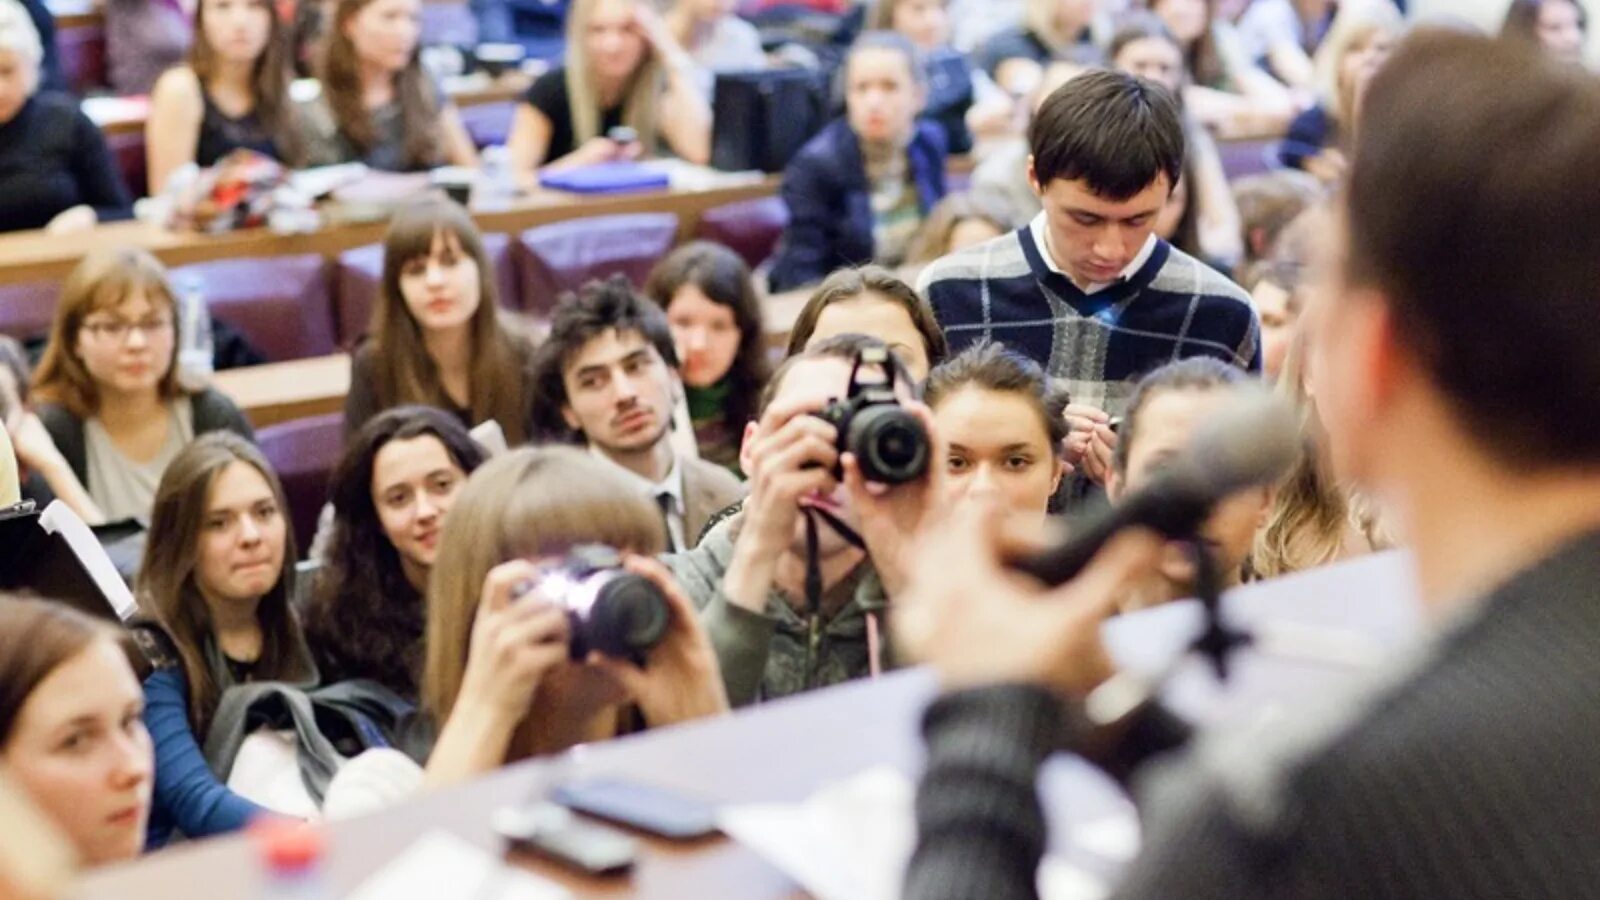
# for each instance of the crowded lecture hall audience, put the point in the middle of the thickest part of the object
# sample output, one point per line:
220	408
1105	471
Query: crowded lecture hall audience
1008	265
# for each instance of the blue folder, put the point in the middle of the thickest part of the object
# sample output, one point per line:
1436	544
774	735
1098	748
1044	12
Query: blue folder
605	178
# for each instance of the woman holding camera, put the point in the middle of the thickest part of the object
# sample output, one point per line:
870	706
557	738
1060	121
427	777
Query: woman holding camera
499	678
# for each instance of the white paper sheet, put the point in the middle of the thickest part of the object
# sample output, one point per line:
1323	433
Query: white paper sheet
440	864
59	519
851	841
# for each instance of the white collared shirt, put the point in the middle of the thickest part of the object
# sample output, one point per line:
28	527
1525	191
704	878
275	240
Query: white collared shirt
1040	227
671	486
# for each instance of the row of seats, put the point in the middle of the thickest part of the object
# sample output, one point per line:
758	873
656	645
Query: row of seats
304	305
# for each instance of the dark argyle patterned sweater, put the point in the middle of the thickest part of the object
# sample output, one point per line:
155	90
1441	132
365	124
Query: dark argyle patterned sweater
1096	345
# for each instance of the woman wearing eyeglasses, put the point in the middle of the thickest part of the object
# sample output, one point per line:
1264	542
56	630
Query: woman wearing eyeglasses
107	387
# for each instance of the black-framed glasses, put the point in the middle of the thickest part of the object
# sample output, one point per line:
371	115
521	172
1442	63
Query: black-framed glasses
117	330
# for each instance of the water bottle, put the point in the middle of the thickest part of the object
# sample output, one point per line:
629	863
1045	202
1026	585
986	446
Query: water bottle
195	346
497	184
291	856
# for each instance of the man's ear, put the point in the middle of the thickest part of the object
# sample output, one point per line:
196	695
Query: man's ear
1033	178
571	418
747	448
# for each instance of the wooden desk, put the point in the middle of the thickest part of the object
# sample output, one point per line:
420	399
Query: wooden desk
278	392
37	256
782	752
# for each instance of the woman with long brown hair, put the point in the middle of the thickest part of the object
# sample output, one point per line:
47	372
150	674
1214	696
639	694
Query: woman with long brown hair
107	389
232	94
712	306
1228	92
71	737
437	336
623	68
384	109
217	578
391	494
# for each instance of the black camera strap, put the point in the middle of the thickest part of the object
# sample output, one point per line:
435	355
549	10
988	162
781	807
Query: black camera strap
813	552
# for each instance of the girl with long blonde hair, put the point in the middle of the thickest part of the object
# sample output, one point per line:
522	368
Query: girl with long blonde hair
623	69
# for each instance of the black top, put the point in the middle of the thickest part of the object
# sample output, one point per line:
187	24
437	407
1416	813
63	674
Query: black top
549	96
1475	776
221	134
1017	43
53	158
210	409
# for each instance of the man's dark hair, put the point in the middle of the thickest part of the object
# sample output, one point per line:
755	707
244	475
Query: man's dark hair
1474	209
580	317
1115	131
840	346
1196	373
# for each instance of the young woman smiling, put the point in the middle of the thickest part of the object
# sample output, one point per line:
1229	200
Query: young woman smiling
391	493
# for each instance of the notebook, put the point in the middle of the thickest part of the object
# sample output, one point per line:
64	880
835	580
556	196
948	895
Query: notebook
606	178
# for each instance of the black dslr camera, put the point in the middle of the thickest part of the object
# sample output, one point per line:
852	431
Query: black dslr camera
889	442
621	614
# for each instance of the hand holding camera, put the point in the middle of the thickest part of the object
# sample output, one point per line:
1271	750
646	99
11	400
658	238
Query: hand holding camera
677	678
516	640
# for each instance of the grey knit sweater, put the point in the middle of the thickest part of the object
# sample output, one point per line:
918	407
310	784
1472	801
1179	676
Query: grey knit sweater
1473	775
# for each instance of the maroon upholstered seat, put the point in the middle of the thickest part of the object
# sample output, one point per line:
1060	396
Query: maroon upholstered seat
563	256
304	452
26	309
127	150
356	285
750	228
279	303
83	56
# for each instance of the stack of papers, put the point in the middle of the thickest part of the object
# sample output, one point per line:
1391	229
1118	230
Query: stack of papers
440	864
851	841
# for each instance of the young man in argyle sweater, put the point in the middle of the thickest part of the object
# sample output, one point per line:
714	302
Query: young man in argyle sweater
1086	288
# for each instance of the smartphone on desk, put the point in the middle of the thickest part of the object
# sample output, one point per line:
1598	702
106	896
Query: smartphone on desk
555	833
653	810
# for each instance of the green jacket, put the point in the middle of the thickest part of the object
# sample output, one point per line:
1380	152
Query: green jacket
780	651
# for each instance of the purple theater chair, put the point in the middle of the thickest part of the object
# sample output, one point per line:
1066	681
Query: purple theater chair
83	56
304	453
750	228
563	256
488	123
26	309
128	151
279	303
360	270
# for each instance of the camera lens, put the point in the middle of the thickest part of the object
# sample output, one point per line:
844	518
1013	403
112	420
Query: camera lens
890	443
629	616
